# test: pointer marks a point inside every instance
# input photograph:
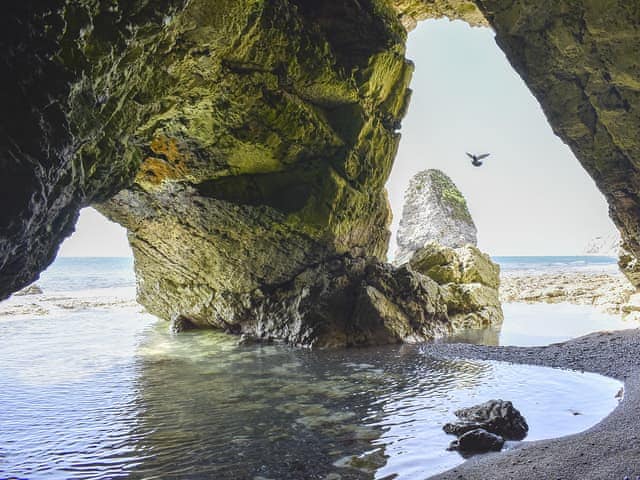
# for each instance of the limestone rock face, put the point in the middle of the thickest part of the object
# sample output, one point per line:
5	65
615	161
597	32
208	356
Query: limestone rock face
469	283
412	11
269	159
243	143
434	211
344	301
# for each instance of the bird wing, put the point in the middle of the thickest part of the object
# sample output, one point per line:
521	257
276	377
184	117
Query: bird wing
484	155
470	156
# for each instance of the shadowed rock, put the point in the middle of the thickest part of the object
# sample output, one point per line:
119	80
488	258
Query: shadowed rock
495	416
477	441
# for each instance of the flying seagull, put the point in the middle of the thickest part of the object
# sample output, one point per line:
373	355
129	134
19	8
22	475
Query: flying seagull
476	159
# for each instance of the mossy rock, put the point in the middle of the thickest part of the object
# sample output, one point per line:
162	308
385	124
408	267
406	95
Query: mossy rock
478	267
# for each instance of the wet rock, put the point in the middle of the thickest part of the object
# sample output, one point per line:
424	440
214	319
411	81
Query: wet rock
610	292
434	210
468	282
30	290
180	323
495	416
347	301
477	441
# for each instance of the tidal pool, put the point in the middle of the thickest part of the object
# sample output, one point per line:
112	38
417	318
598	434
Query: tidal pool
537	324
108	393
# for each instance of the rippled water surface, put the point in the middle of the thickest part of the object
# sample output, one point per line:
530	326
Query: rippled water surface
108	393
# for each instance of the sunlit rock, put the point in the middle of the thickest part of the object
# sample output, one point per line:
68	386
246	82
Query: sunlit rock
412	11
243	144
468	280
434	210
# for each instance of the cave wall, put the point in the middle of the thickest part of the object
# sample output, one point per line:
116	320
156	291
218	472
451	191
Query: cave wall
245	143
75	102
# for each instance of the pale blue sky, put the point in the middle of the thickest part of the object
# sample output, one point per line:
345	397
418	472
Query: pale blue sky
531	197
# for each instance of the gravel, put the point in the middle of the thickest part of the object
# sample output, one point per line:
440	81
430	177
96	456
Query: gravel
608	451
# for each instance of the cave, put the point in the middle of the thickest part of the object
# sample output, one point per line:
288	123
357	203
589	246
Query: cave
245	146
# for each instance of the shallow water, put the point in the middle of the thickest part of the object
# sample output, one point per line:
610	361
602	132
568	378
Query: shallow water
108	393
93	388
537	324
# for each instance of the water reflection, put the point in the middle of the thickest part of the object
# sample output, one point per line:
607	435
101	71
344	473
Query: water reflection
274	412
113	395
542	324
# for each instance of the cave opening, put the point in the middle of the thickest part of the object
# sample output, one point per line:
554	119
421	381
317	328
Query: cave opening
93	269
537	212
531	196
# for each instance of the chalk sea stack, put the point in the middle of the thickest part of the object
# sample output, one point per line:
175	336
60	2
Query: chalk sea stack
434	210
437	237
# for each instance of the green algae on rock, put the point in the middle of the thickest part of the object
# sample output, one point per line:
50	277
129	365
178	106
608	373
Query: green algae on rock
468	280
269	160
245	142
434	210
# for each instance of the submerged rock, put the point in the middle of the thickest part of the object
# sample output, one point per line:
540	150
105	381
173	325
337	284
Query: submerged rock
477	441
434	211
180	323
495	416
30	290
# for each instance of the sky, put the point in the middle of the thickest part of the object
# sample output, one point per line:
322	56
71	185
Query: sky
531	197
95	236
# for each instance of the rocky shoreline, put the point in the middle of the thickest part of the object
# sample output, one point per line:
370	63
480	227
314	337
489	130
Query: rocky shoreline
608	450
610	292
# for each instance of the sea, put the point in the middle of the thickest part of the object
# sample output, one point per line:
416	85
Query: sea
556	264
75	274
93	387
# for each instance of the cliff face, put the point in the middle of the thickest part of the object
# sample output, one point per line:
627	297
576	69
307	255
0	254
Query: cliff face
246	142
269	159
434	210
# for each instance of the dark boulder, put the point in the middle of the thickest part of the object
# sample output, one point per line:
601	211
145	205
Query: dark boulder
180	323
495	416
477	441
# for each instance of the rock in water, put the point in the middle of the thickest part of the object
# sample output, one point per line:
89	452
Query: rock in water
495	416
30	290
434	210
180	323
477	441
468	281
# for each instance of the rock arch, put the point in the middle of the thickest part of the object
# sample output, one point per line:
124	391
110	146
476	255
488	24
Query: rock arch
245	144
